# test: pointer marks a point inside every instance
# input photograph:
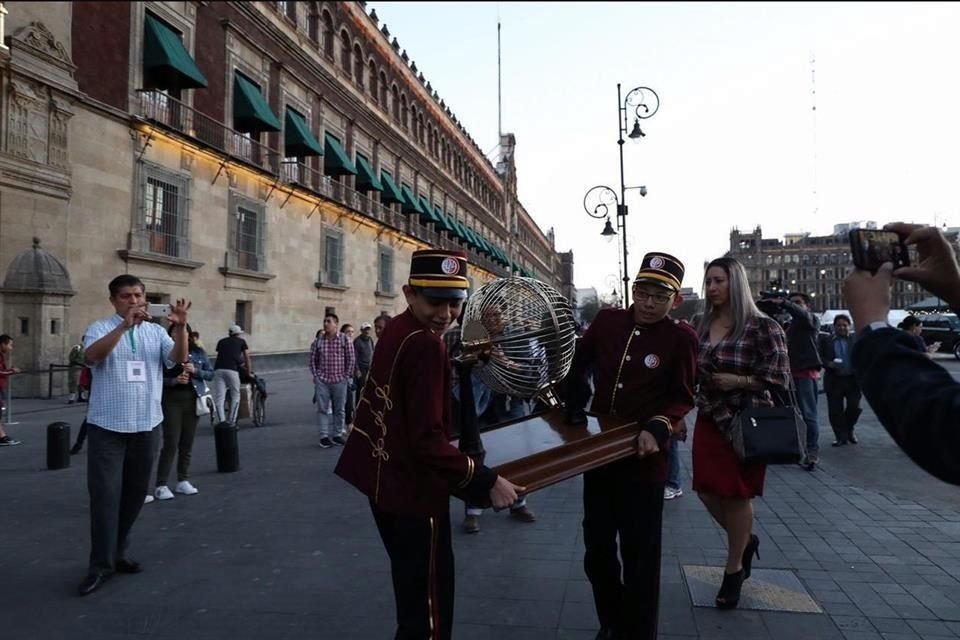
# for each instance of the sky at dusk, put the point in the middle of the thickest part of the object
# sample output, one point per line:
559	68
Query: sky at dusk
734	141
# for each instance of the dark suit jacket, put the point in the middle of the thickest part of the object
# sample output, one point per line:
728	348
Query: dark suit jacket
827	354
916	400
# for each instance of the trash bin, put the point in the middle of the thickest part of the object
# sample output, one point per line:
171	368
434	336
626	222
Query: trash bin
228	454
58	445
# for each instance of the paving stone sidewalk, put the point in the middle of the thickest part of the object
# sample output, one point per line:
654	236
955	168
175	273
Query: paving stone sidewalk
284	549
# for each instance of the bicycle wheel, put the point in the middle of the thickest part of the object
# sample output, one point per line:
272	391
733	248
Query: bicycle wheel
259	410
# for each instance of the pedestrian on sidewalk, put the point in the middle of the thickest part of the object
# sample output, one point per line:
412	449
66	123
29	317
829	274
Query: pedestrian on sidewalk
363	349
743	356
127	355
912	326
644	366
380	323
6	348
76	362
332	363
399	453
350	403
180	394
233	355
839	382
802	332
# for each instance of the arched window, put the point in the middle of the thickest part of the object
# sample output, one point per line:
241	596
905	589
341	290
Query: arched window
327	33
345	50
413	120
403	111
358	65
396	103
383	90
420	127
373	78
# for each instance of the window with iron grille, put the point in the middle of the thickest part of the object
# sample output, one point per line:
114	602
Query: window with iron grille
246	234
332	271
385	270
163	224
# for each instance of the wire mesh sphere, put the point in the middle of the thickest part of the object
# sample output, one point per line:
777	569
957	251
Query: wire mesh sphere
528	331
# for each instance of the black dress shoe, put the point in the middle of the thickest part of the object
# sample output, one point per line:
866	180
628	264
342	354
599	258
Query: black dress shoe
91	583
128	566
838	443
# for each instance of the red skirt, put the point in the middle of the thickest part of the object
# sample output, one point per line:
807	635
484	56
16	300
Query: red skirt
716	468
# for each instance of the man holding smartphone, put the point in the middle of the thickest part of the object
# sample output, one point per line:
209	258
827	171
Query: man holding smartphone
127	357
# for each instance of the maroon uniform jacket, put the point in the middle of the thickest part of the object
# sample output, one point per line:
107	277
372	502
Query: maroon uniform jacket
641	372
399	452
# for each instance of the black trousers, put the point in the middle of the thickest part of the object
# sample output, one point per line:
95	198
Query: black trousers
843	404
118	474
617	504
421	562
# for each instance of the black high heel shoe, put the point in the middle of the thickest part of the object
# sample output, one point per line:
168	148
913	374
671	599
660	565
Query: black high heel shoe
729	595
752	549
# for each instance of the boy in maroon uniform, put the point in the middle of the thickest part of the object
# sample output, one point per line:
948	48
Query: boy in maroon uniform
644	366
399	453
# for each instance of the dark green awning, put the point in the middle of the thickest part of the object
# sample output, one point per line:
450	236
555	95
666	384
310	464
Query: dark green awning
458	229
427	213
410	204
297	139
336	162
166	61
366	179
391	192
449	224
251	113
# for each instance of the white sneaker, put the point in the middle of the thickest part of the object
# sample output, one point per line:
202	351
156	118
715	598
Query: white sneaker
669	493
147	499
186	488
163	493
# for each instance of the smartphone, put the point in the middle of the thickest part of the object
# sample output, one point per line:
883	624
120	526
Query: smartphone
158	310
871	248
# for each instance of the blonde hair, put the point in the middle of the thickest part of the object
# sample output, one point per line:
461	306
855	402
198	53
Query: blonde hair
742	306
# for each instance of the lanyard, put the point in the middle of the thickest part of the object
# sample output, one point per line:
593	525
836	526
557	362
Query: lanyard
133	340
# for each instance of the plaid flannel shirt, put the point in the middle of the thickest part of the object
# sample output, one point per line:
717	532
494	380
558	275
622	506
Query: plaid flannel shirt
760	352
333	359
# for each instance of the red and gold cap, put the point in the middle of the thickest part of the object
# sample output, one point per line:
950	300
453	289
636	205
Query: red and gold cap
661	269
439	273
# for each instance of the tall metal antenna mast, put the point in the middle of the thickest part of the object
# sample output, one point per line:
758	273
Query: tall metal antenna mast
813	97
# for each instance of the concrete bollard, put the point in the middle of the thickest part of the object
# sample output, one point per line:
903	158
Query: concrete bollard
228	454
58	445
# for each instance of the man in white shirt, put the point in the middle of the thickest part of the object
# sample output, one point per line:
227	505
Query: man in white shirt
126	356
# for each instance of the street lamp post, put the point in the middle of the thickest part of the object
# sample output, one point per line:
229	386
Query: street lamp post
643	102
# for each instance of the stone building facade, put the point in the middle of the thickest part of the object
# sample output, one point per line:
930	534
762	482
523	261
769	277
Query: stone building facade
270	160
815	265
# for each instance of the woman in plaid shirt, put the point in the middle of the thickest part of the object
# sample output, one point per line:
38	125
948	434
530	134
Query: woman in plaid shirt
743	356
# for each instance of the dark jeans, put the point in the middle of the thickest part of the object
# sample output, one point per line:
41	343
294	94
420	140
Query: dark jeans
179	430
118	474
843	404
807	399
615	505
421	563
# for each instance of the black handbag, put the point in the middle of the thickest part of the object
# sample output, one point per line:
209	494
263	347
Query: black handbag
770	435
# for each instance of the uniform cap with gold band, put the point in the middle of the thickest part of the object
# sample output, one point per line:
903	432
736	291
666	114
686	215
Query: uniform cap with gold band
661	269
439	274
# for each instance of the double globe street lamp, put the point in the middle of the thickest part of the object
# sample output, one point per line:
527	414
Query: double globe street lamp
643	103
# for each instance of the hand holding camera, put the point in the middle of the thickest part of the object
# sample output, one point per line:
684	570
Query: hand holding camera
936	270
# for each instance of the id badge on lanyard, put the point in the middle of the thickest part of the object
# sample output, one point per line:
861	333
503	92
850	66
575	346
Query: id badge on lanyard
136	369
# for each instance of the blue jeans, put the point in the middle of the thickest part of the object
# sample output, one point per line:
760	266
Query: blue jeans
807	399
673	463
331	395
